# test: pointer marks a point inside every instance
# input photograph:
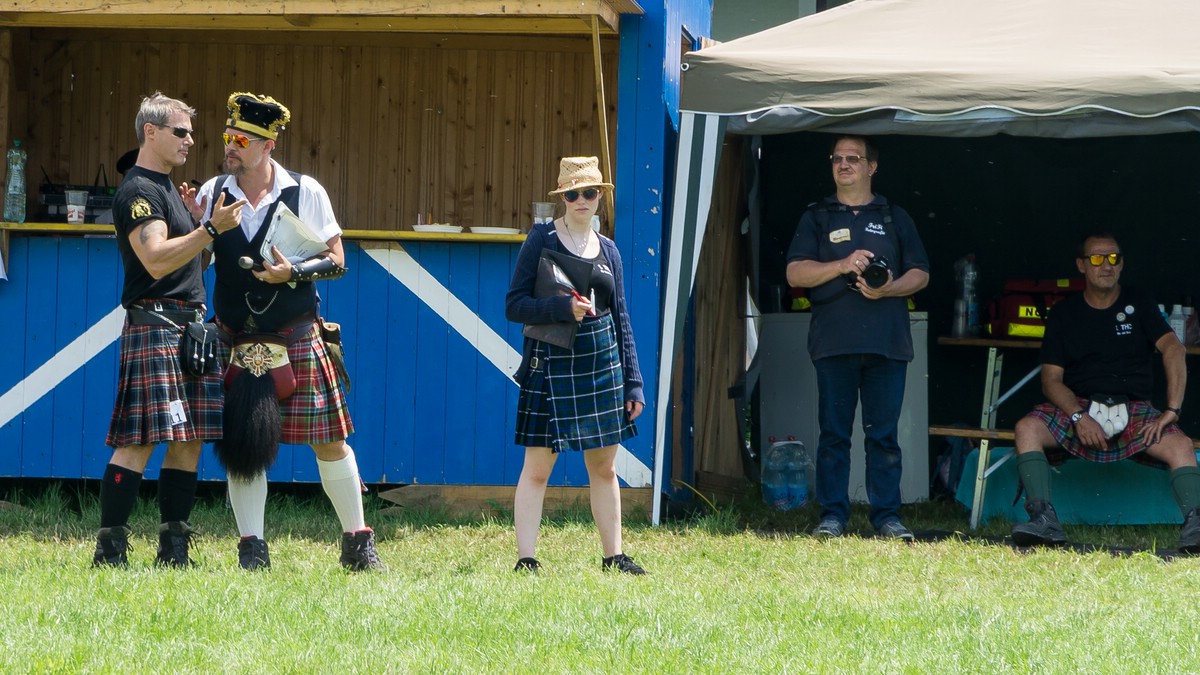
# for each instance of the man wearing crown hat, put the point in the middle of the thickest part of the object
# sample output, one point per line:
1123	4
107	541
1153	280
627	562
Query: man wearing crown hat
282	381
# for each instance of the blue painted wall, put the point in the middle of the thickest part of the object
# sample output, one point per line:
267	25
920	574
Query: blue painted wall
428	407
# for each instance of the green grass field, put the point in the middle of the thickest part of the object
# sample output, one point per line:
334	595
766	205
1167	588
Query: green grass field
741	589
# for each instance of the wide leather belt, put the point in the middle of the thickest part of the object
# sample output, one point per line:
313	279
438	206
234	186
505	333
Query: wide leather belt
162	317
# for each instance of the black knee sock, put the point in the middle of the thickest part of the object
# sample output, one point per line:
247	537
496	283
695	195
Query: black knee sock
176	494
118	495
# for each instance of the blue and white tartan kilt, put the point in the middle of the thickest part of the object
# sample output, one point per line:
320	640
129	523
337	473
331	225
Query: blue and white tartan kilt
575	398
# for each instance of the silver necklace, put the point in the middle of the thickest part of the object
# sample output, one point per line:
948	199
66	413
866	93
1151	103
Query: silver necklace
578	248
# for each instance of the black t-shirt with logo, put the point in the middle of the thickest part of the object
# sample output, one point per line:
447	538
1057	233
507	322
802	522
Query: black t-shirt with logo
143	196
1105	351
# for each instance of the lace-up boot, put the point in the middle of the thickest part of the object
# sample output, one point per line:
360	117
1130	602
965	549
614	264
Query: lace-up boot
1043	528
174	538
358	551
112	545
1189	536
253	554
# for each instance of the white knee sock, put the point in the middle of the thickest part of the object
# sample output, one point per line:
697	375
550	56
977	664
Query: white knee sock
343	487
249	501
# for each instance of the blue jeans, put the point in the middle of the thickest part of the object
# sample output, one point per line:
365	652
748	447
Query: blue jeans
840	382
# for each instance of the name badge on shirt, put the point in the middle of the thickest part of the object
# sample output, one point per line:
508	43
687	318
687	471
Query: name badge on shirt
838	236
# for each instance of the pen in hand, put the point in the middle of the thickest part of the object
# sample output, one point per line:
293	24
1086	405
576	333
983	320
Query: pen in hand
591	306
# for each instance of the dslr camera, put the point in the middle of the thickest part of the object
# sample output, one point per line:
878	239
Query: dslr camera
875	274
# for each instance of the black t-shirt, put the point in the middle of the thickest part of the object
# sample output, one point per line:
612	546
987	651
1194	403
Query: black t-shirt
601	282
143	196
1105	351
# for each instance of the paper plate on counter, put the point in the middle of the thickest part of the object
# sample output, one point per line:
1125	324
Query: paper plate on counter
438	227
495	230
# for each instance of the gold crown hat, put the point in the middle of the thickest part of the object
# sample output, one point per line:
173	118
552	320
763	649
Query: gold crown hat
577	173
259	114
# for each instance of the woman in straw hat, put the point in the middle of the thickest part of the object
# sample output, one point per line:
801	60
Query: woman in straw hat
583	397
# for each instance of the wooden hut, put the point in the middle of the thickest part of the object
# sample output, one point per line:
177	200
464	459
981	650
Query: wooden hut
452	112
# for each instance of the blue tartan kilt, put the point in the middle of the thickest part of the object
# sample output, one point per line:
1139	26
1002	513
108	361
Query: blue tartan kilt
575	398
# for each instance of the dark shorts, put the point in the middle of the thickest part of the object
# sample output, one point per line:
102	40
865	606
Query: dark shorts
1126	445
150	379
575	398
317	412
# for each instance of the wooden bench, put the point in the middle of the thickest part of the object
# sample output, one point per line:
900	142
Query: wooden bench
985	467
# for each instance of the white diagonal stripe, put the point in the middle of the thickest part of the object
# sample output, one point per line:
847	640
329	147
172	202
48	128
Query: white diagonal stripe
60	366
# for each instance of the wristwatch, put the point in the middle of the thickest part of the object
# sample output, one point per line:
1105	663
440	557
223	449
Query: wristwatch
1076	416
1170	409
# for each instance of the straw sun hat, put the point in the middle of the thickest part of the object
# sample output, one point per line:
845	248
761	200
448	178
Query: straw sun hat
577	173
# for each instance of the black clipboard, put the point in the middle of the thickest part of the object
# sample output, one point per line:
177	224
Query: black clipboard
559	274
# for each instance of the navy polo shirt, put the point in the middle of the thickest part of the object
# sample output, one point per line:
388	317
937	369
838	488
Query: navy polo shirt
847	323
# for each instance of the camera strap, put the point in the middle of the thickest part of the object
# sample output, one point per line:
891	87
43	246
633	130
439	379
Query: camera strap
821	213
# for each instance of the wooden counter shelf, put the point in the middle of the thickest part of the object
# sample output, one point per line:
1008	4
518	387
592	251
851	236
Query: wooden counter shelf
353	235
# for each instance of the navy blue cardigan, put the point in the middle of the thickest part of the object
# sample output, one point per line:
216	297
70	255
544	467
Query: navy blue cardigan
521	307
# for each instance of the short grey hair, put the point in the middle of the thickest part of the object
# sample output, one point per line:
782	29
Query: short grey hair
157	110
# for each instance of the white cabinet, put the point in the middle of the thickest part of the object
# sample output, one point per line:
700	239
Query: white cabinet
788	402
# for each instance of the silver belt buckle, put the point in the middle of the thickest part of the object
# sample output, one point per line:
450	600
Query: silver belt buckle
534	363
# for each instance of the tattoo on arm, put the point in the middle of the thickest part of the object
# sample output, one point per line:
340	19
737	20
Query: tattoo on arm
153	229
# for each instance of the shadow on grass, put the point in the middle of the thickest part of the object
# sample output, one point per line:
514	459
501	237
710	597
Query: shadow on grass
70	509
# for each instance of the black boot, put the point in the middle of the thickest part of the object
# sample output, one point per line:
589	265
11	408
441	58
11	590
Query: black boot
1189	536
1043	528
358	551
174	539
112	544
253	554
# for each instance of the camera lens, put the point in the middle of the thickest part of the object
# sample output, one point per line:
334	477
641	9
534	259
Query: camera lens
876	273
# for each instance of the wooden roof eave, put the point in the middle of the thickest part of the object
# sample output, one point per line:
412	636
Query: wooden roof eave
558	17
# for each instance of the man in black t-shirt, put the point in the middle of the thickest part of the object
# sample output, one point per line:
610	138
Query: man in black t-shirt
1099	346
157	402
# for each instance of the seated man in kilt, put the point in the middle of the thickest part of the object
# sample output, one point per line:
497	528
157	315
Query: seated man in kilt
1097	374
282	381
157	402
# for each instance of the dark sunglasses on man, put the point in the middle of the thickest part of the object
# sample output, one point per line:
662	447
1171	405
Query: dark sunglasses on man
588	194
1097	259
177	132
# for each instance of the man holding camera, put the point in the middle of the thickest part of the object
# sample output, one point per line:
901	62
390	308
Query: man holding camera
861	257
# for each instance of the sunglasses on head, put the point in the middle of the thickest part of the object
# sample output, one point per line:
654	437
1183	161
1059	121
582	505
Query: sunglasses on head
178	132
1097	259
239	140
852	159
588	194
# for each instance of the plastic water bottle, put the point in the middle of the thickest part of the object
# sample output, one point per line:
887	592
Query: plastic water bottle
966	305
1178	322
795	475
14	194
785	475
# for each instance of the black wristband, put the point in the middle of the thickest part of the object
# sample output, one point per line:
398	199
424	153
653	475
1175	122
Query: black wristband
212	231
1170	409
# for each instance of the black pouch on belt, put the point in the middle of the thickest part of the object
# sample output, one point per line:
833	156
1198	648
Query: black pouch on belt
198	349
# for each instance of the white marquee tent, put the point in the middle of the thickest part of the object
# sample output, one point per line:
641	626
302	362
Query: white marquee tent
1050	68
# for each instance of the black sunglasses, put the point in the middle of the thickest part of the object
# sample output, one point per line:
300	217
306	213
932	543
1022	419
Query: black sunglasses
178	132
588	194
1097	259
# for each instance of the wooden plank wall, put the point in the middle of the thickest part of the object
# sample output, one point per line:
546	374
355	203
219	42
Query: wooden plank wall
720	304
467	129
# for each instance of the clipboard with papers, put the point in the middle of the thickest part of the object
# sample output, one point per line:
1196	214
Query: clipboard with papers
294	239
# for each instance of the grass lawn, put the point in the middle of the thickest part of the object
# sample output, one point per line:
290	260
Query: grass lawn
742	589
